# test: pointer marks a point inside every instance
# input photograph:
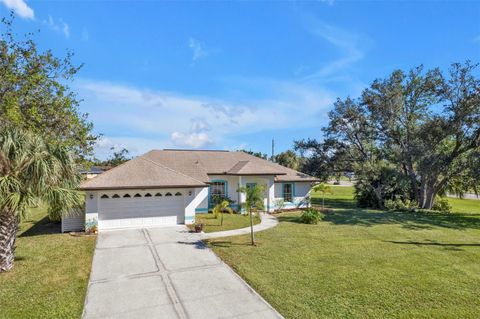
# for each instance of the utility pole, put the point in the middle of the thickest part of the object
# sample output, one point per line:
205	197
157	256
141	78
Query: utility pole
273	150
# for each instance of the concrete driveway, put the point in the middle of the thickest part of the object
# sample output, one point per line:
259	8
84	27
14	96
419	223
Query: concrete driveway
165	273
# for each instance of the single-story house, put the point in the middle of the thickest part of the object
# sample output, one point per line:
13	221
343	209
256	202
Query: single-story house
169	187
92	172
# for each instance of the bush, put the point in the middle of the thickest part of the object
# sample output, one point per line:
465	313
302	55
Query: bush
279	205
441	204
400	205
365	195
375	185
311	216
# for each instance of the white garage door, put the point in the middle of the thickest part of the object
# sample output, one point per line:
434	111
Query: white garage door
139	211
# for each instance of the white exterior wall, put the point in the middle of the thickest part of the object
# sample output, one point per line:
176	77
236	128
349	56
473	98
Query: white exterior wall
200	196
268	183
195	199
192	197
301	191
234	182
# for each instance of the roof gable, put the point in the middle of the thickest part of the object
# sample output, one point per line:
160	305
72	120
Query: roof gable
140	173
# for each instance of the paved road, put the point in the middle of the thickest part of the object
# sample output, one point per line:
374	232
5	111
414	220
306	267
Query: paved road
466	196
166	273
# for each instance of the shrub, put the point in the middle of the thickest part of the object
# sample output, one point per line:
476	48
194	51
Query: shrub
441	204
279	205
311	216
375	185
365	195
400	205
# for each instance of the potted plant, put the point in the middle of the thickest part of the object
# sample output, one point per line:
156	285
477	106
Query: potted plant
198	226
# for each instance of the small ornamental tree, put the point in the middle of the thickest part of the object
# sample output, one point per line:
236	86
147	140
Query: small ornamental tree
254	197
323	189
222	207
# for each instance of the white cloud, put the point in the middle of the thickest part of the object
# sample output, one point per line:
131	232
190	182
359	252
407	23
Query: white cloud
195	140
135	145
197	136
20	7
173	119
58	26
198	49
350	45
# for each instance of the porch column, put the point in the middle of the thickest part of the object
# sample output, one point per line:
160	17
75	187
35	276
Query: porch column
241	196
270	194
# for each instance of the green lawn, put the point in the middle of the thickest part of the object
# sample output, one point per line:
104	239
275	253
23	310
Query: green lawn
230	221
51	272
364	263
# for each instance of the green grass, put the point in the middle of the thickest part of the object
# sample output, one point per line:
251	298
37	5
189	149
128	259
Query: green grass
464	205
51	271
360	263
230	221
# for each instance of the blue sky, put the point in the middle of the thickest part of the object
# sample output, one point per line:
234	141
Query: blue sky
229	75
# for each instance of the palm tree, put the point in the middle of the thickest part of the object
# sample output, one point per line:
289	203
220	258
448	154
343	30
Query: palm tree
254	197
323	189
32	171
220	208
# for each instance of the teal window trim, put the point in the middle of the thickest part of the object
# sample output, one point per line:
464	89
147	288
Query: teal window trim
225	189
292	189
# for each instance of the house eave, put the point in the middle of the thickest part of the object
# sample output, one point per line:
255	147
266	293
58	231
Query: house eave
250	174
139	187
297	180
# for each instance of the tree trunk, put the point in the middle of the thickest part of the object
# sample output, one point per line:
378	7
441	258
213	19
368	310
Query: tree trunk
427	194
8	234
415	191
421	197
251	227
378	194
429	198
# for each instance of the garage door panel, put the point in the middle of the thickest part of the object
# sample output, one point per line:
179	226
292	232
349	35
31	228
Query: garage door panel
140	212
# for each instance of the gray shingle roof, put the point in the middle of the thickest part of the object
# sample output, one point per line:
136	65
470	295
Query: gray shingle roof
140	173
188	168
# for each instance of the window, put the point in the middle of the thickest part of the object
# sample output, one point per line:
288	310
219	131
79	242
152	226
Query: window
137	195
217	188
168	194
251	185
104	196
288	192
126	195
115	196
178	194
158	195
148	195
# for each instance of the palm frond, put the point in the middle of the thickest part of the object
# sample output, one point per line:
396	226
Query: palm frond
33	170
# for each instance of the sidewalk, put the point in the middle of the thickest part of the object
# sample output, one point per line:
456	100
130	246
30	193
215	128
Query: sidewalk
268	221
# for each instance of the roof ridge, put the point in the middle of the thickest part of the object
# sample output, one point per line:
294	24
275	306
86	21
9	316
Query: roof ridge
170	169
192	150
